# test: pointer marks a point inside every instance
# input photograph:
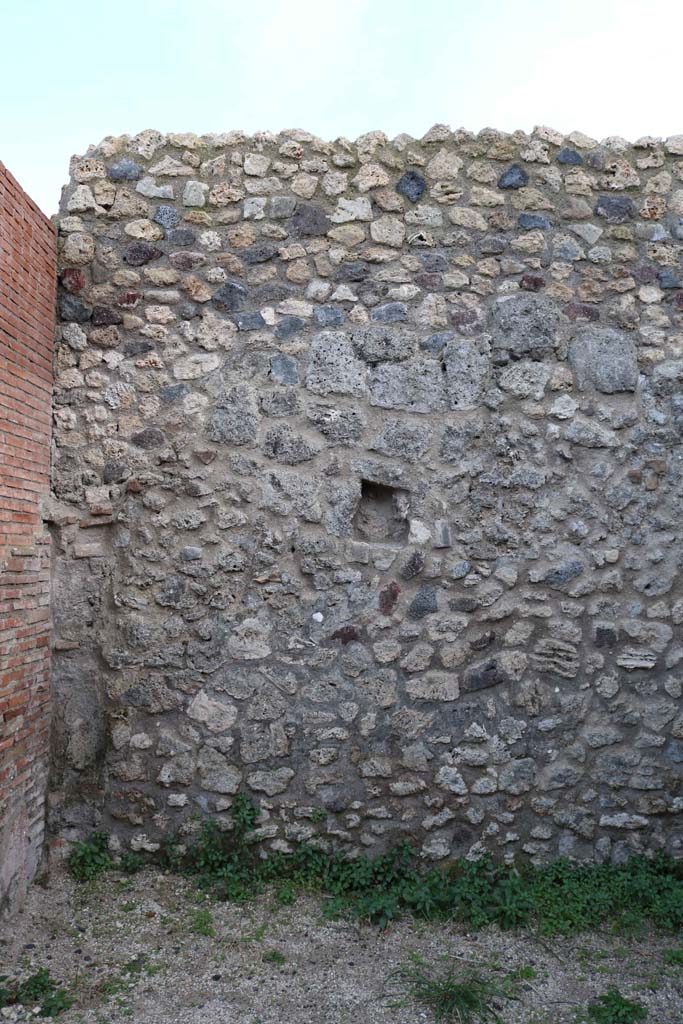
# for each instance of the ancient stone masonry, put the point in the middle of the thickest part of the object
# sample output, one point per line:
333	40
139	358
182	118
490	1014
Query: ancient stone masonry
27	298
367	483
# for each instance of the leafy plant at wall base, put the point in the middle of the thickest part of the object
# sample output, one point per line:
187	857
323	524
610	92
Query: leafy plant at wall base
170	855
131	863
613	1008
244	813
91	858
560	898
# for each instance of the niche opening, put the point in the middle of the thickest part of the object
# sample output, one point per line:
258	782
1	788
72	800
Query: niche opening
382	513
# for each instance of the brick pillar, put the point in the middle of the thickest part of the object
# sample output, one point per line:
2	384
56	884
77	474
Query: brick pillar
27	297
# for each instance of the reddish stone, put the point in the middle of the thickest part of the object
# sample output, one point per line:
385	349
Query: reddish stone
582	311
388	596
467	319
430	282
73	280
346	634
128	299
133	486
645	275
532	282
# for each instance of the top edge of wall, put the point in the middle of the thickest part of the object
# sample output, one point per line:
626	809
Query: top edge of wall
148	141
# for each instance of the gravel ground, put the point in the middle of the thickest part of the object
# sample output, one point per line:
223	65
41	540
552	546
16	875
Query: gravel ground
148	949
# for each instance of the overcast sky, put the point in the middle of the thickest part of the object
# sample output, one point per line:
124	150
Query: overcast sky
74	72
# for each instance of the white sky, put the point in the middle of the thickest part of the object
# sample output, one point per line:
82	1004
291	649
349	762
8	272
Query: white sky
74	72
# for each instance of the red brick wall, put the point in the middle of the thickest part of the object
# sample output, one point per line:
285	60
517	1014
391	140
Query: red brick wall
27	296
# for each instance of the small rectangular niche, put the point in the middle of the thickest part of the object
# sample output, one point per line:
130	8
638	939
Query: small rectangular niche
382	514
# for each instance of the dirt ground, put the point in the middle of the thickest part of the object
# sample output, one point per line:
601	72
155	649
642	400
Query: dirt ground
150	950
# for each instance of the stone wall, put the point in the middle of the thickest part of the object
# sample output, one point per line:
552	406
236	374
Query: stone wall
368	482
27	297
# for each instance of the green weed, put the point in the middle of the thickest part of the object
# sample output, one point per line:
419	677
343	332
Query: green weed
130	863
612	1008
202	923
274	956
462	999
40	990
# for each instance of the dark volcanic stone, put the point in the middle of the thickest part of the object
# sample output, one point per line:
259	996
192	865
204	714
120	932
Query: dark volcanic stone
139	253
72	309
260	253
484	640
115	472
289	325
390	313
328	316
187	260
284	369
532	282
563	573
605	635
354	270
569	157
309	221
150	437
435	343
596	160
483	675
230	297
274	291
172	392
532	221
105	316
492	245
424	603
669	279
171	592
73	280
463	604
674	751
249	321
615	209
137	347
125	170
413	566
167	216
411	185
434	262
514	177
181	236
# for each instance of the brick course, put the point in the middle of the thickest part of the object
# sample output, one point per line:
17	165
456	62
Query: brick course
27	294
